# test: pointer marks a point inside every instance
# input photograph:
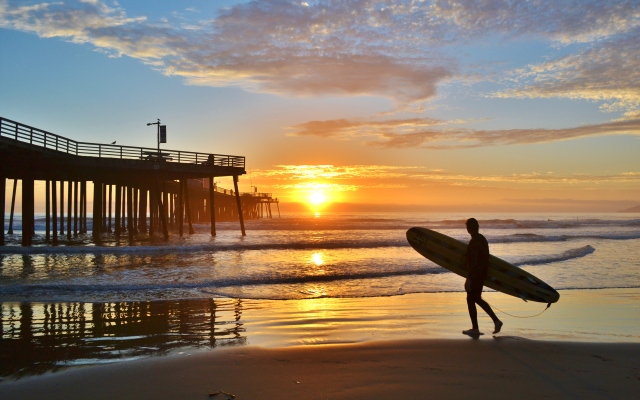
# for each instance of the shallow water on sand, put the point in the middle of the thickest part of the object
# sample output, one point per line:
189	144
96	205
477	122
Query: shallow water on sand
41	337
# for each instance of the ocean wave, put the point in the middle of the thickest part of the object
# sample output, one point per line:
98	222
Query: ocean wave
510	223
531	237
302	244
218	283
359	222
209	247
552	258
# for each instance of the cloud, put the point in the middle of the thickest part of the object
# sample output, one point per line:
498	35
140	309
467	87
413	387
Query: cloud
314	186
552	201
543	179
395	49
343	128
418	132
608	71
319	172
564	21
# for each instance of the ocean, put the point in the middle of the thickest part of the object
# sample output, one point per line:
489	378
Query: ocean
299	279
302	256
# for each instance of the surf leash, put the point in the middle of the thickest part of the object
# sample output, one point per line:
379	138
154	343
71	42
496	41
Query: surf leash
518	316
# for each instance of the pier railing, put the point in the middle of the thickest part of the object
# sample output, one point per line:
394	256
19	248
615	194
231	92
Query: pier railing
39	138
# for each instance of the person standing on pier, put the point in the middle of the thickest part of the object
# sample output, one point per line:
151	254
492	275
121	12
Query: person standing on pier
477	264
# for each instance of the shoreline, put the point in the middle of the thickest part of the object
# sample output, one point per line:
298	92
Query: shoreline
501	367
39	338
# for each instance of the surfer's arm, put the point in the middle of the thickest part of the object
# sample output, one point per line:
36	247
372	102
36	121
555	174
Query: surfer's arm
473	260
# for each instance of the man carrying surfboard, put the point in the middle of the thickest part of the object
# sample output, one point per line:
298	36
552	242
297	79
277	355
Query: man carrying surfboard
477	264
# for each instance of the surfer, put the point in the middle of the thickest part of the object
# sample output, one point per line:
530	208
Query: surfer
477	263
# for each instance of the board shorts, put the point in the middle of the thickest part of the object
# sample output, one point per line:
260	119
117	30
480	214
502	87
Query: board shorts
475	289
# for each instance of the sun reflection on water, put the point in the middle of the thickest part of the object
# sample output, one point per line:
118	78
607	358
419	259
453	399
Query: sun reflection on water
316	258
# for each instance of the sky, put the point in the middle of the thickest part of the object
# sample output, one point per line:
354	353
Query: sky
479	105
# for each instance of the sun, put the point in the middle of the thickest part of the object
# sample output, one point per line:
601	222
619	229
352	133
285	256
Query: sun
317	198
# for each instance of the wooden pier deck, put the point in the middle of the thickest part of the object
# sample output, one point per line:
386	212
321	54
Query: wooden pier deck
148	190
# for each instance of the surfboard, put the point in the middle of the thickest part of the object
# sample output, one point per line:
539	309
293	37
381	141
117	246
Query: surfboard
449	253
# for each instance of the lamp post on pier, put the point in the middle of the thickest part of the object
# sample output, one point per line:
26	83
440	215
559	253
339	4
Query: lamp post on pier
162	132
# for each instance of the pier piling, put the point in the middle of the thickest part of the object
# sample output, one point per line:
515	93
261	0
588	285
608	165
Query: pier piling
3	182
13	206
27	211
47	210
54	211
118	212
235	186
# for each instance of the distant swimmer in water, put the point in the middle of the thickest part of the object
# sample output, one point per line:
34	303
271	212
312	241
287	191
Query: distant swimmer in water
477	265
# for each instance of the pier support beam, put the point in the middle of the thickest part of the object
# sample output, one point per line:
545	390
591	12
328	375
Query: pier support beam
134	209
123	218
83	189
142	211
104	208
69	201
13	207
152	210
162	212
75	208
118	211
165	202
187	204
54	210
27	211
130	213
3	189
62	208
83	205
47	211
97	209
235	186
110	195
180	209
172	210
212	209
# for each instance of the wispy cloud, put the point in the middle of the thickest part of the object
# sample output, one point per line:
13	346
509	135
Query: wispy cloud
418	132
608	71
319	172
544	179
343	128
564	21
396	49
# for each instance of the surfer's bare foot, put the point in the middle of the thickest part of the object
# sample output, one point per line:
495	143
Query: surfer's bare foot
498	326
472	331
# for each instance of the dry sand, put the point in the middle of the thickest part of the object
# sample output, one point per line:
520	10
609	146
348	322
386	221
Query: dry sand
501	367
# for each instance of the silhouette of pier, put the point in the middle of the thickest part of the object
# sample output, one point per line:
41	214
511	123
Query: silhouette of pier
136	190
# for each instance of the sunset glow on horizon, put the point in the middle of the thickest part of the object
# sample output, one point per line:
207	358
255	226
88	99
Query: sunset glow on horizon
361	105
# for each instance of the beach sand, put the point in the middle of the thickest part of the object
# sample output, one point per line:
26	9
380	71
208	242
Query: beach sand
585	346
502	367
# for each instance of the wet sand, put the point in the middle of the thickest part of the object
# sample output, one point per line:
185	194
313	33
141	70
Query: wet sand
585	346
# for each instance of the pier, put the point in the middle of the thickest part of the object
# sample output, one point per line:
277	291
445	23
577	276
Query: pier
135	190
